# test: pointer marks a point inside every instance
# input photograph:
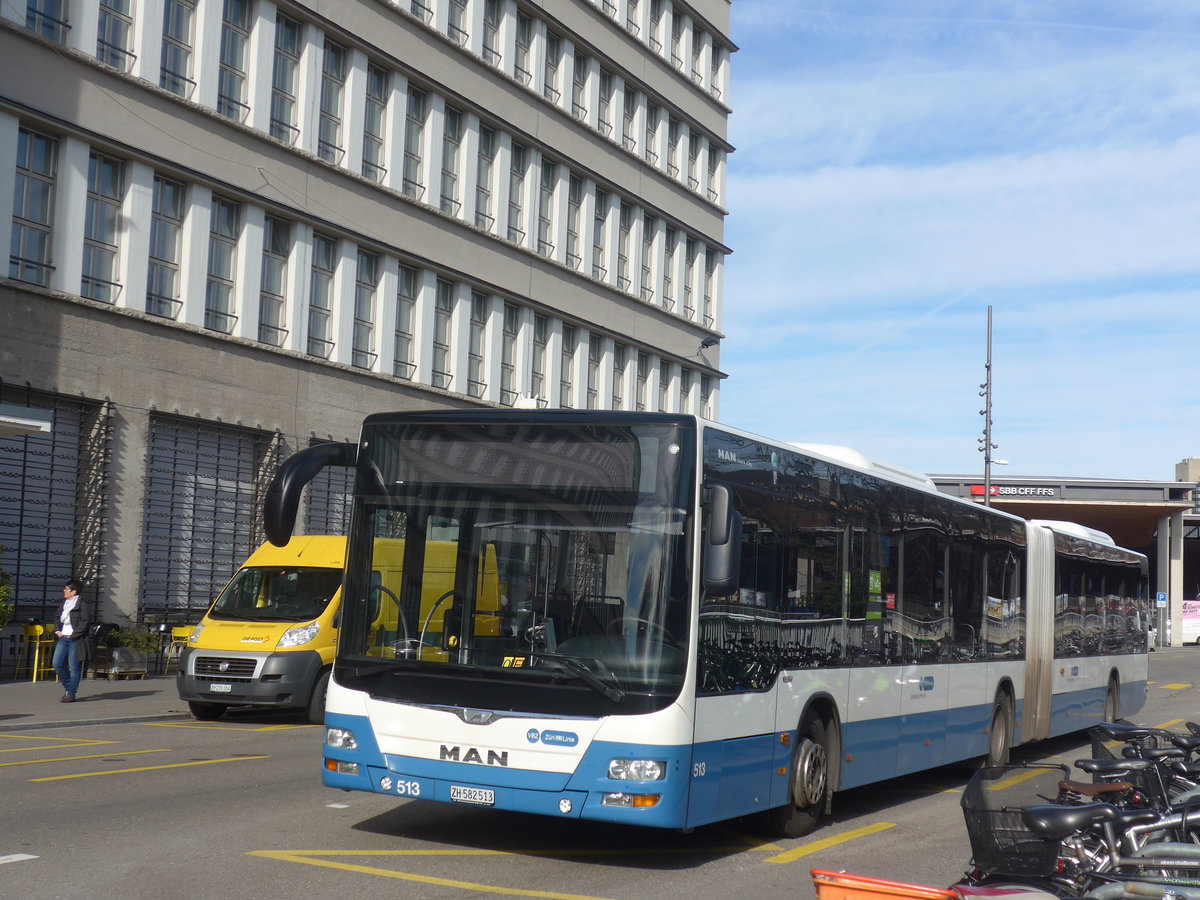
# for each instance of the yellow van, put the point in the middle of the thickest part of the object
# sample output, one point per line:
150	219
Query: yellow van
268	640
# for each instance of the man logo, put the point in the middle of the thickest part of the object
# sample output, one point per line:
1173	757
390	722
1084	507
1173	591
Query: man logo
474	756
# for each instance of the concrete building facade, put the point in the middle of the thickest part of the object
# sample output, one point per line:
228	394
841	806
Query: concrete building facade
238	226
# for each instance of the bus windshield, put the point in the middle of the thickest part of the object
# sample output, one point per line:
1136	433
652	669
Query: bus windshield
513	565
271	593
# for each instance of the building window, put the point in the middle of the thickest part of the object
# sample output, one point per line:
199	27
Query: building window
697	56
47	18
320	296
166	225
524	37
508	355
484	218
706	408
476	382
222	266
625	223
537	363
574	213
235	36
656	17
456	19
631	18
491	33
365	282
112	34
676	39
277	244
414	137
673	129
595	356
689	303
648	151
550	88
442	319
378	81
283	79
33	208
710	268
599	224
604	120
579	86
714	84
566	378
516	194
629	132
714	165
546	208
685	389
643	373
670	242
618	382
101	228
451	142
649	227
333	86
175	73
406	304
664	384
421	10
693	180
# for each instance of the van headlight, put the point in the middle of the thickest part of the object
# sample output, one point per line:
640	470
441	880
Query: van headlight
194	637
301	634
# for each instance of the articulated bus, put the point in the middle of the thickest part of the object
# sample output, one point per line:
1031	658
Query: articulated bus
660	621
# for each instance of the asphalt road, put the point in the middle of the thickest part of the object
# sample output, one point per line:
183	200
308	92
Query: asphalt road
235	809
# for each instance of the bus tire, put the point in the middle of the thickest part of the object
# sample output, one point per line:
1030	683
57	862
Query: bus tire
808	783
1112	700
1000	732
316	703
207	712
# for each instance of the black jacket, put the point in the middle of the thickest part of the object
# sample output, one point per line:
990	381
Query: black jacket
79	619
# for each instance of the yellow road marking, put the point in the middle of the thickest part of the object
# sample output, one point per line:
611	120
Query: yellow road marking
789	855
1173	687
196	725
1169	724
34	762
302	856
61	743
199	762
1016	779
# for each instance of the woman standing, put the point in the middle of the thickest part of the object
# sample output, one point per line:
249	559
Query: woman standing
71	631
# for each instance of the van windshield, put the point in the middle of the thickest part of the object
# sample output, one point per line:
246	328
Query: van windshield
271	593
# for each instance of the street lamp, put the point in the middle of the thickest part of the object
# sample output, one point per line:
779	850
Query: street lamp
985	443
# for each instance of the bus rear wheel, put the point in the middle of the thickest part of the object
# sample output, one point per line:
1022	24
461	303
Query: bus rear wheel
808	783
1112	701
1000	732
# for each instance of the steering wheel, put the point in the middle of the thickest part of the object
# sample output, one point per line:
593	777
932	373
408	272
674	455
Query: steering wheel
658	628
396	600
436	603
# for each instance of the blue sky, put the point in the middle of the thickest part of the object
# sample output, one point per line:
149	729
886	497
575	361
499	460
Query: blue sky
903	164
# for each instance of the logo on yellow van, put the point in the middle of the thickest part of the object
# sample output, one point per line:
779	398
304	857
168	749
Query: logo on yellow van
252	639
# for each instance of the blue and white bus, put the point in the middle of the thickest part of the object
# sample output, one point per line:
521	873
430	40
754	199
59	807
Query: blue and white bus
656	620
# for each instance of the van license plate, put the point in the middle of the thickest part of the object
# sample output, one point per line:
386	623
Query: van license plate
220	688
478	796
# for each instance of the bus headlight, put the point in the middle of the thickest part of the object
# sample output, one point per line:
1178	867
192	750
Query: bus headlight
301	634
630	801
637	769
340	739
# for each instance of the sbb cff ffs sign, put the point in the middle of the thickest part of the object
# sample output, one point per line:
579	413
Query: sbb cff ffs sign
1008	490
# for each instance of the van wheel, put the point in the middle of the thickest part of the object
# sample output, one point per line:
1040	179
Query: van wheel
808	784
207	712
316	704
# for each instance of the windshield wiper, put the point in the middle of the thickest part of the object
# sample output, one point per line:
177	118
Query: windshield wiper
584	674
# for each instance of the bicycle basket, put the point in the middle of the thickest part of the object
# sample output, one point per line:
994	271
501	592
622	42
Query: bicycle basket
1001	844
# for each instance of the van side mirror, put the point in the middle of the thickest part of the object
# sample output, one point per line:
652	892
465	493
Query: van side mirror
723	543
283	495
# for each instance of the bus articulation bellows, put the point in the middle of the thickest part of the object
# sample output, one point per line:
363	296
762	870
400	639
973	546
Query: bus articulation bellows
656	620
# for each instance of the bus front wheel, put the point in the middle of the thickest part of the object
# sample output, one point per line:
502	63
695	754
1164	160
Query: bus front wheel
316	703
808	783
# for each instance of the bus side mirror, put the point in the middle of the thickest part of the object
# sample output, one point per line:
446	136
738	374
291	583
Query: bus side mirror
283	495
723	543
